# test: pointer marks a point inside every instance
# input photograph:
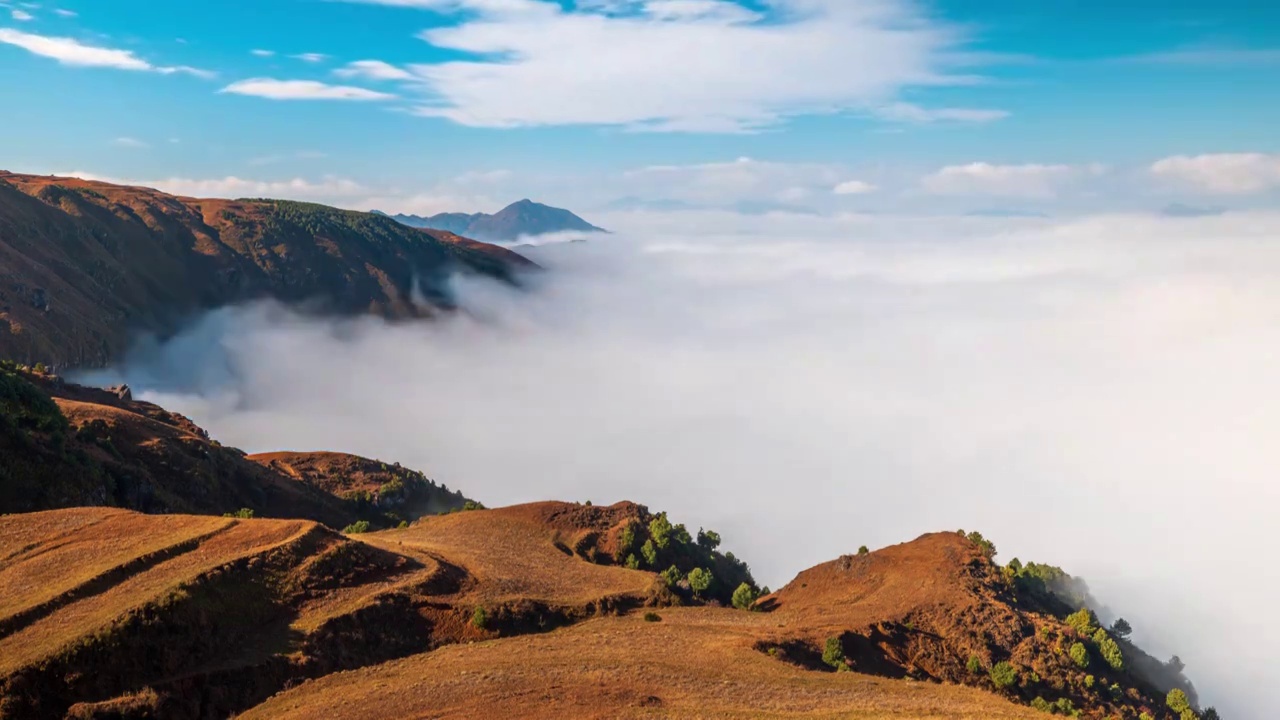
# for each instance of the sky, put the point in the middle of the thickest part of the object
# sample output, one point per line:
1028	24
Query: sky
809	106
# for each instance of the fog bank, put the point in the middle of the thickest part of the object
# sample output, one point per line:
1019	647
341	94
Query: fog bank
1098	393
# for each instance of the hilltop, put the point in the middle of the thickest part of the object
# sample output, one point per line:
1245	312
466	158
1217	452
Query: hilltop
524	217
66	445
84	265
522	611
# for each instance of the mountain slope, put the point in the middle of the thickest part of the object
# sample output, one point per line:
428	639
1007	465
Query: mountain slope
524	217
63	445
83	265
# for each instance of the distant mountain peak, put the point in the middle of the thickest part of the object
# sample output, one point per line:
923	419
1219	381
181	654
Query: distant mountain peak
520	218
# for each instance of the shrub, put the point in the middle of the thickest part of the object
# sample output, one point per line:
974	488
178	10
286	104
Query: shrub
1042	705
355	528
974	664
863	550
41	368
650	553
1089	680
833	654
652	617
242	513
1177	700
403	524
1145	716
473	505
632	562
1079	655
1065	706
480	619
1003	675
699	581
745	596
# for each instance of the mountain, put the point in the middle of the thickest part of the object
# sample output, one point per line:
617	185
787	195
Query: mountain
515	220
85	265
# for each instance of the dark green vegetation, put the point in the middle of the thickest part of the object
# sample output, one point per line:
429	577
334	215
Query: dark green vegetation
84	266
833	654
691	566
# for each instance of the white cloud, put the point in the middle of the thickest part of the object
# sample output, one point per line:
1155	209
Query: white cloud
69	51
273	89
1026	181
1221	173
263	53
130	143
897	375
311	57
328	188
911	113
22	15
681	65
373	70
853	187
65	13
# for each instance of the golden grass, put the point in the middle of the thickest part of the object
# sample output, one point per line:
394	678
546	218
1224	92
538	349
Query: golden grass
696	663
48	635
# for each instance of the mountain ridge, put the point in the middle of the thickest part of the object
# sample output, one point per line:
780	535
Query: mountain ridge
86	265
520	218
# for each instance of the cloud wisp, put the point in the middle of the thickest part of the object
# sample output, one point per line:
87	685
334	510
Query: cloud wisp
273	89
1090	393
72	52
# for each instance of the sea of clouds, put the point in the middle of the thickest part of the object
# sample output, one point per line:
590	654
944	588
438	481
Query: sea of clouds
1101	393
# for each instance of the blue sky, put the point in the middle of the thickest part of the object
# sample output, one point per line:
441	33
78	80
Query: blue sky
472	103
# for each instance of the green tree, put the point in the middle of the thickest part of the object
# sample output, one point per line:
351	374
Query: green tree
479	618
1109	649
1083	622
863	550
1003	675
745	596
660	531
632	562
671	576
242	513
988	548
1079	655
626	542
1177	700
1121	628
699	581
833	653
1210	714
650	553
1042	705
708	540
357	527
974	665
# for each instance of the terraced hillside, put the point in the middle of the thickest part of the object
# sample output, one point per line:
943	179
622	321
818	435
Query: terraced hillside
84	265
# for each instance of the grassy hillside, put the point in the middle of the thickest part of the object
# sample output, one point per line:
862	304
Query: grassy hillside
83	264
64	445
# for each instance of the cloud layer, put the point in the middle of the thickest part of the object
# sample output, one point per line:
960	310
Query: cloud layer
706	65
1091	393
